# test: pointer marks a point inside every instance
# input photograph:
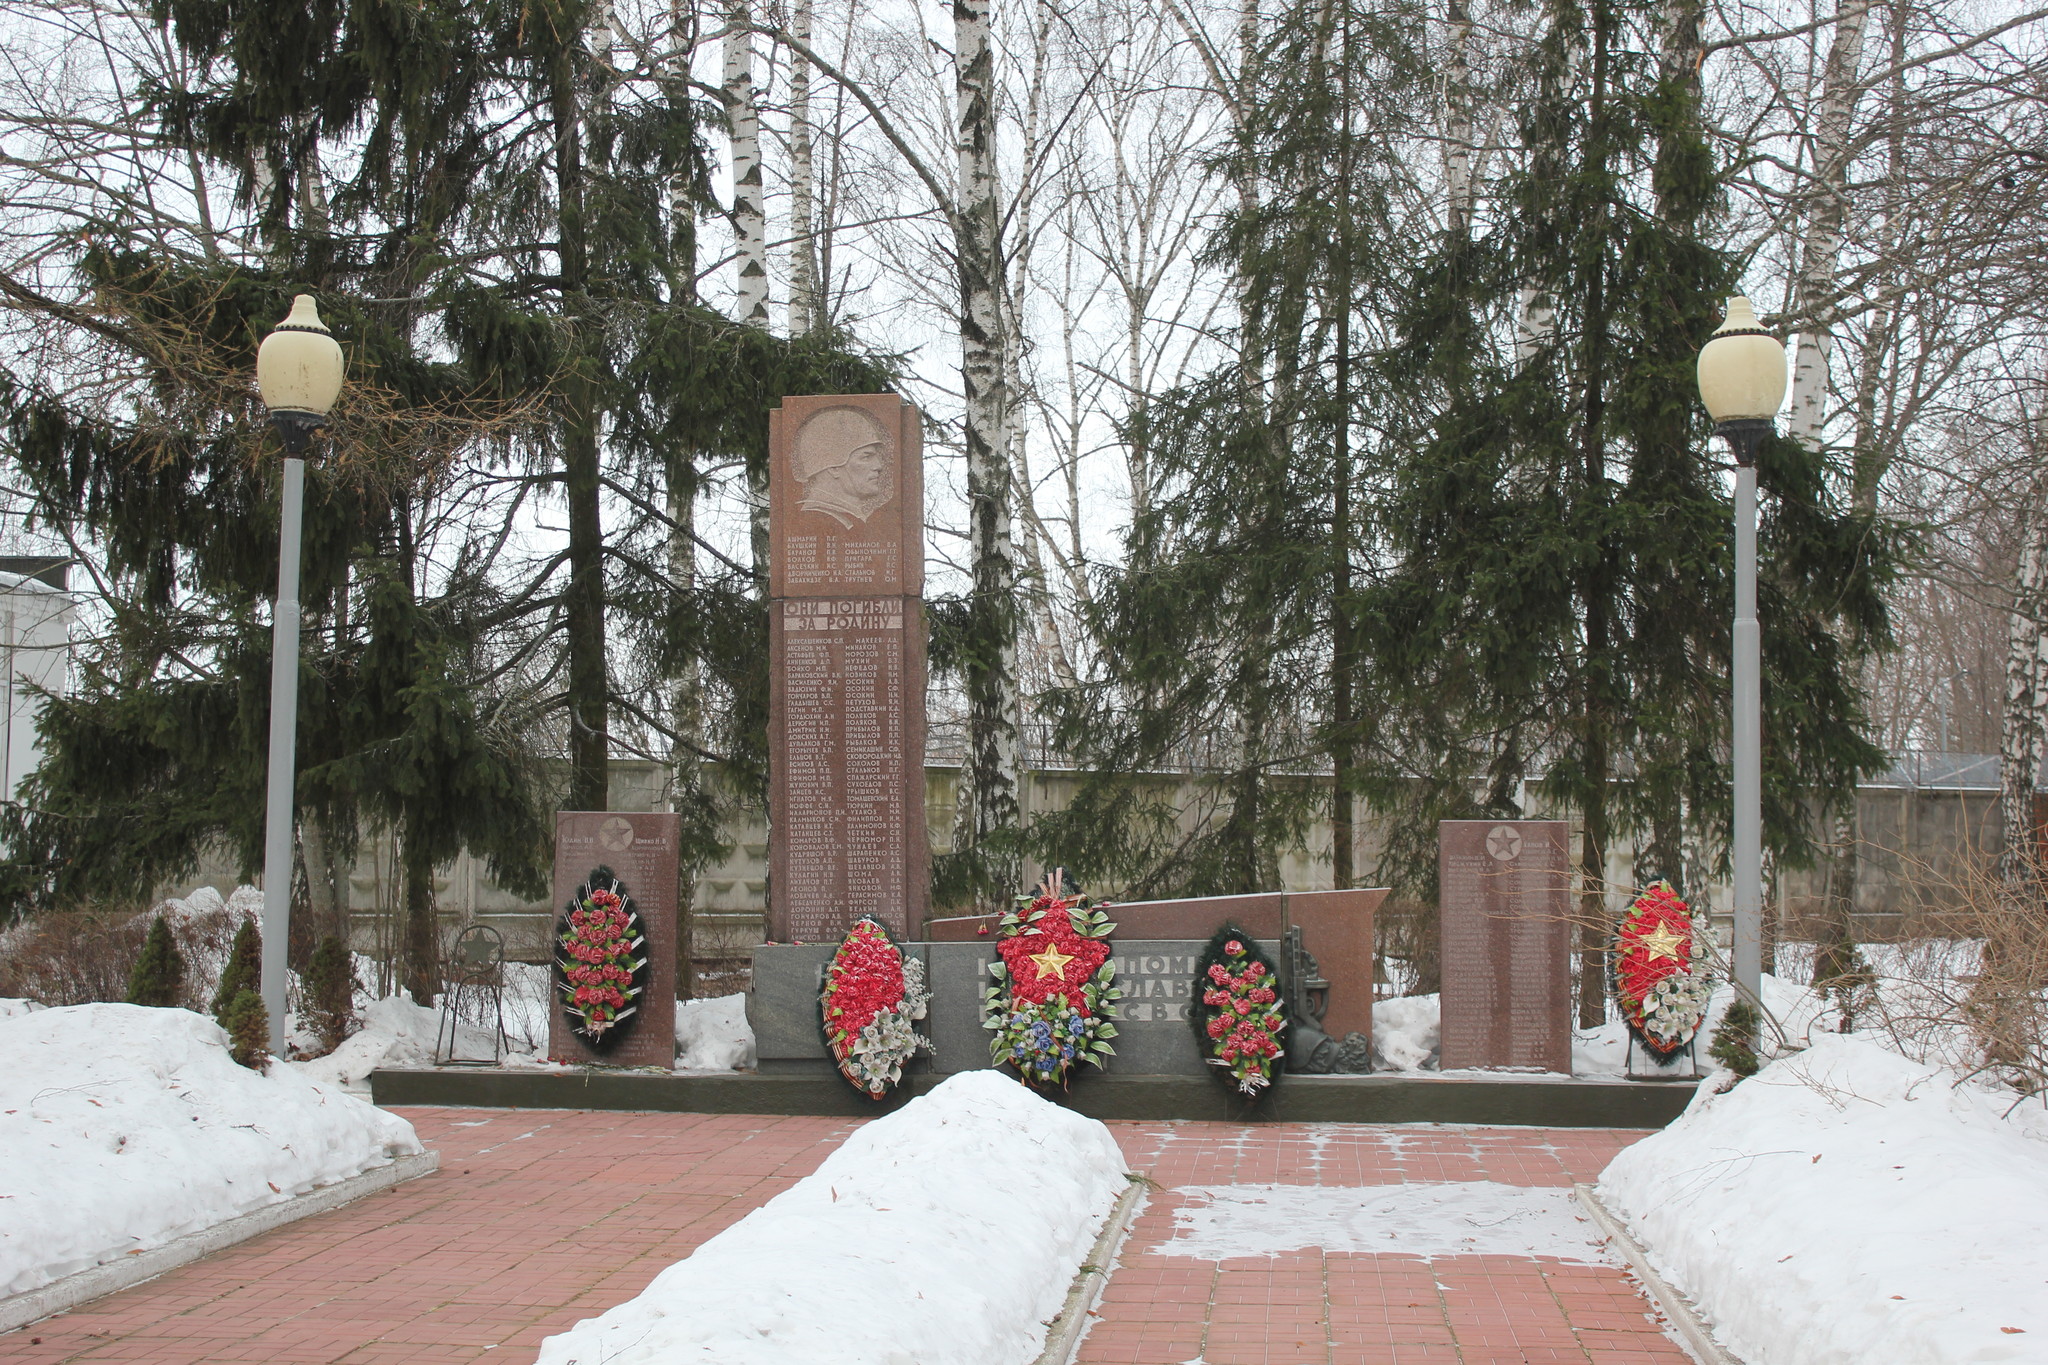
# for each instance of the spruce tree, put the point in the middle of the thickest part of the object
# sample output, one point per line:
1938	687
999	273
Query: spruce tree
385	171
158	977
1735	1039
1227	636
242	972
329	986
1560	600
247	1024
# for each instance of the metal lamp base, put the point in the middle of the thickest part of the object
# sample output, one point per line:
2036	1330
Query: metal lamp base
1744	436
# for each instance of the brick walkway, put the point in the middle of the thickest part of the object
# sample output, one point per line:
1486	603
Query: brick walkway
1348	1308
528	1228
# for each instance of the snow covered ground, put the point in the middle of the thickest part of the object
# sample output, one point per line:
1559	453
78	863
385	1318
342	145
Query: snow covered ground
711	1034
946	1233
397	1033
1465	1218
1406	1037
1847	1204
1405	1031
122	1128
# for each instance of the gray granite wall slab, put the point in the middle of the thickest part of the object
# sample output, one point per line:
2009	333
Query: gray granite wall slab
1156	975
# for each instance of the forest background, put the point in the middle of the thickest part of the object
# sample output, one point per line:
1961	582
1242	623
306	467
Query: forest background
1309	396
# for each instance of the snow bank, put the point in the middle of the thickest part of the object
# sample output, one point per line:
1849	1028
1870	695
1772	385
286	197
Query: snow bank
712	1034
1407	1036
12	1008
122	1128
1405	1033
395	1032
944	1234
1460	1218
1849	1205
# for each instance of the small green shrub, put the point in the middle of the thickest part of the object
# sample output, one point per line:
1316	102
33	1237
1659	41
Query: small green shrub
248	1028
158	977
243	972
330	993
1734	1045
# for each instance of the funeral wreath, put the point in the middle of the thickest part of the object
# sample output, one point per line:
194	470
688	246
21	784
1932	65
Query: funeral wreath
871	1000
1055	993
601	966
1660	970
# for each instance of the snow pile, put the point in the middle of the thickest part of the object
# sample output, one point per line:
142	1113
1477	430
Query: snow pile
1474	1218
944	1234
395	1033
1404	1033
1847	1204
244	902
712	1034
14	1009
1406	1036
122	1128
204	924
529	1005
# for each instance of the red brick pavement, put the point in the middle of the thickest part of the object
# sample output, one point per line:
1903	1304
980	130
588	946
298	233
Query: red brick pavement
534	1222
1312	1307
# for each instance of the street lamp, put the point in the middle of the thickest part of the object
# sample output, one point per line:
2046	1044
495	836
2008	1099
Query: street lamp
1742	383
298	370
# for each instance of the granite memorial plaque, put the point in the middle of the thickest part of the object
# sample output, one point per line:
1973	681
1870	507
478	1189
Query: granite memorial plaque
1153	1037
845	497
1337	929
641	849
846	667
1504	920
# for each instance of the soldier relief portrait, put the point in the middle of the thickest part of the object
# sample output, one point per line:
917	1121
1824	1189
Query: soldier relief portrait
843	463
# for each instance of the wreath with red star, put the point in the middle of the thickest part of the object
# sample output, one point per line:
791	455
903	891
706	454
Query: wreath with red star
1660	970
1055	993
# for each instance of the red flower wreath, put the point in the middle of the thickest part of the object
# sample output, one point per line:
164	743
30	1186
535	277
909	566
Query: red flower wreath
1055	994
600	970
870	999
1240	1020
1660	974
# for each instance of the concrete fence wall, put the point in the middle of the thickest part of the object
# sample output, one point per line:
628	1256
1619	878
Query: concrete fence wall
1920	850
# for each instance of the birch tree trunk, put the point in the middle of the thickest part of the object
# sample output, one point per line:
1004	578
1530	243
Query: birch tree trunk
807	312
686	691
743	115
1835	953
743	111
1834	946
1814	289
2026	694
989	800
1458	117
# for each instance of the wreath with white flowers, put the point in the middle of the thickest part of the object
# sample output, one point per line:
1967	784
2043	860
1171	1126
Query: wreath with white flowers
600	968
872	997
1660	970
1055	991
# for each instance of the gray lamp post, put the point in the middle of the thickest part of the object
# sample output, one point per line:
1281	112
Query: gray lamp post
1742	383
298	370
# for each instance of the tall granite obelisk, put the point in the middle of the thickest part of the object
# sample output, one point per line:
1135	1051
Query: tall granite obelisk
846	719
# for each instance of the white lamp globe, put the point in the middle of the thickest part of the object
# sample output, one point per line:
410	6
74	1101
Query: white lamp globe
1742	369
299	365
